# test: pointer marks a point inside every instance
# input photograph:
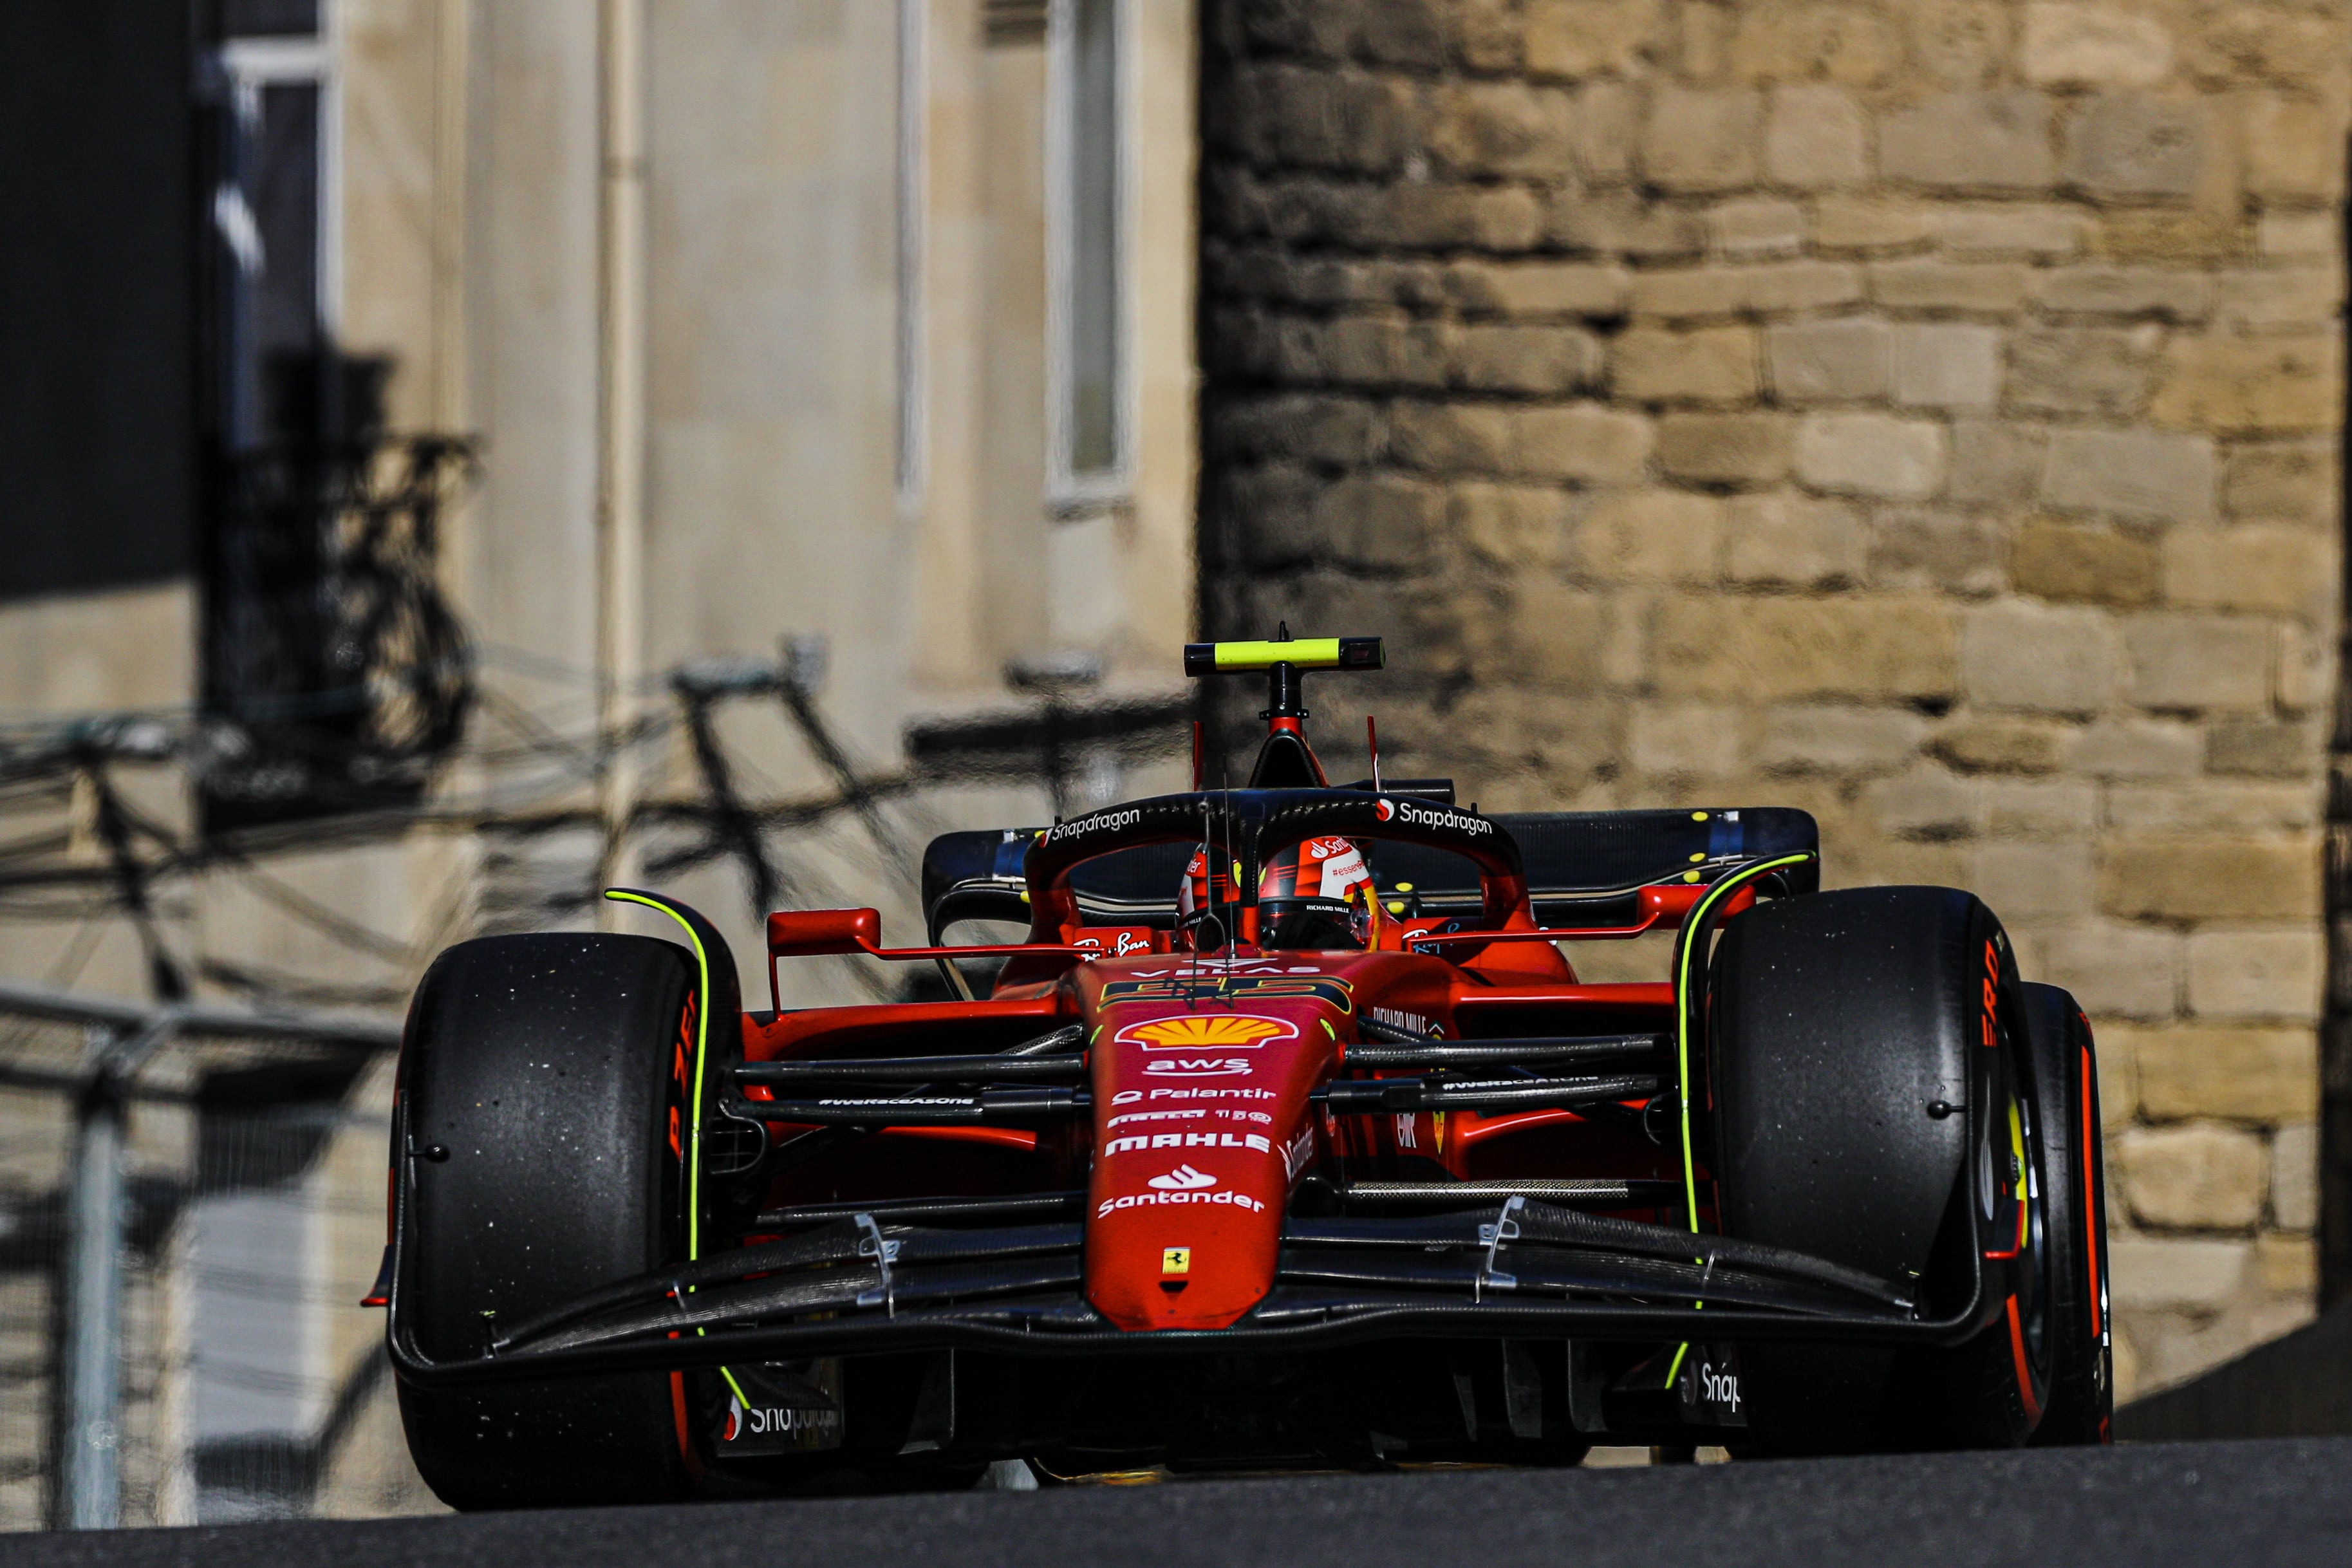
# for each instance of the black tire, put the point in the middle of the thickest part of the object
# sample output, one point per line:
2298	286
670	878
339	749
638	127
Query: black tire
545	1067
2080	1404
1843	1029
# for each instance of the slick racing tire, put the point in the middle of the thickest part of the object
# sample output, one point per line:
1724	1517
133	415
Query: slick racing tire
541	1087
2079	1406
1869	1085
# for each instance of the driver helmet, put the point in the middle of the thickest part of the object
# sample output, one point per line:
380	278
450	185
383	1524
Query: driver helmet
1318	894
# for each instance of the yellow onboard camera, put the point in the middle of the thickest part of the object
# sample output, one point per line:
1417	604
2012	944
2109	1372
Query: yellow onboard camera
1305	653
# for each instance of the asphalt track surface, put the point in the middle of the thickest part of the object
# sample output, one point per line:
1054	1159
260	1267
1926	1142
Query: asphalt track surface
2202	1504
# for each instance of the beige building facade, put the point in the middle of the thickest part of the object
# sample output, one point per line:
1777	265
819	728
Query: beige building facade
1925	413
845	339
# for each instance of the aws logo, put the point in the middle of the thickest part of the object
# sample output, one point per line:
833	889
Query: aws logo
1206	1032
1198	1067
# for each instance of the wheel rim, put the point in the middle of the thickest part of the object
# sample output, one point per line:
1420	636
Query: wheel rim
2009	1168
2033	1294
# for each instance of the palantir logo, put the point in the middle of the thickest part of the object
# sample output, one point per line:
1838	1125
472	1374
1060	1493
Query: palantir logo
1182	1179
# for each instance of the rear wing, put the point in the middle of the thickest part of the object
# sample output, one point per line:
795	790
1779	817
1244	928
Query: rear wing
1583	867
979	876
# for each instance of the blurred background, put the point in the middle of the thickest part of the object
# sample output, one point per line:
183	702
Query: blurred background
457	456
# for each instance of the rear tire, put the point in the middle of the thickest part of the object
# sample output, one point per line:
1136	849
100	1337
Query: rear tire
1846	1028
2081	1401
545	1071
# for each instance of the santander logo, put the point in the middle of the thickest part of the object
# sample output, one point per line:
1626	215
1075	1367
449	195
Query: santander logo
1182	1186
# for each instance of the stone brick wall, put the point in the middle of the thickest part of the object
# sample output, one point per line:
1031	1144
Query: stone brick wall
1923	413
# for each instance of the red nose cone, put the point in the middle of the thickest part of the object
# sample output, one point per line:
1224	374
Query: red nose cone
1201	1117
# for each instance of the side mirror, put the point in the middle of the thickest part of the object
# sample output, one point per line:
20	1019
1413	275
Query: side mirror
808	933
1669	904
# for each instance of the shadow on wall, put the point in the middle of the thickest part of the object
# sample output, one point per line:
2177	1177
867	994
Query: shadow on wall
2296	1386
336	672
96	299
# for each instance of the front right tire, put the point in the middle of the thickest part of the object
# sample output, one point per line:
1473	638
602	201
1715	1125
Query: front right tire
1869	1072
2081	1397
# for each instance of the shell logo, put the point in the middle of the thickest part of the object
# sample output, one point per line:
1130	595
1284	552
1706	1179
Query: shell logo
1199	1031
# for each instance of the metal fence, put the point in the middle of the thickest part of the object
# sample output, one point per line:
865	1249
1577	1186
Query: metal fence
191	1207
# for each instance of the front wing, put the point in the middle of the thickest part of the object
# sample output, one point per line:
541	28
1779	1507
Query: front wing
1518	1269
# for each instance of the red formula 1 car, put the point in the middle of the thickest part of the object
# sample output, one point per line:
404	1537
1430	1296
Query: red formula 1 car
1287	1135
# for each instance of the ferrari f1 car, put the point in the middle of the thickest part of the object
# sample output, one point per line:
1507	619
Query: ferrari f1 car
1287	1134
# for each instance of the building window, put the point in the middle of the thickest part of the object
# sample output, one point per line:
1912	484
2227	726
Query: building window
1011	24
273	224
335	675
1089	420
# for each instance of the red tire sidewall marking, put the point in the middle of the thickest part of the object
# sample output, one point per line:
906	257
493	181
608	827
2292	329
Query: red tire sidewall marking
2025	1372
685	1433
2020	1365
2092	1198
684	1082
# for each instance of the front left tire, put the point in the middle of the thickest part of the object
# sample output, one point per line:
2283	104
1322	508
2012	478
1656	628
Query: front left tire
541	1092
